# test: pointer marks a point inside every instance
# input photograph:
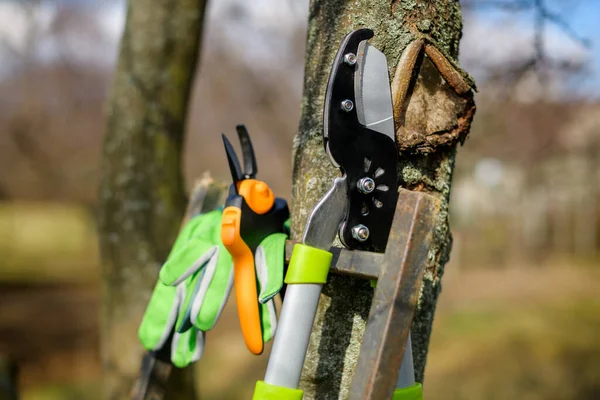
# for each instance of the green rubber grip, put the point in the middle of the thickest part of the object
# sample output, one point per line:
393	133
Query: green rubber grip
266	391
308	265
414	392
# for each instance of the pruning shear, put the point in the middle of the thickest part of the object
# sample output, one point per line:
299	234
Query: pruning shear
358	133
251	214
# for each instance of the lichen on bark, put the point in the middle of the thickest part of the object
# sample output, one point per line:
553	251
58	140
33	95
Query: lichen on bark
345	301
142	196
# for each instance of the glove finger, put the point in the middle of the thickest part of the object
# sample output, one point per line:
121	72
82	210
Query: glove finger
212	291
192	288
209	225
189	253
195	226
189	259
268	320
203	224
269	260
186	233
160	316
187	347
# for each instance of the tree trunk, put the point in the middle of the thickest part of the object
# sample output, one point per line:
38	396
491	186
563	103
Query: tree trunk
142	191
436	120
8	379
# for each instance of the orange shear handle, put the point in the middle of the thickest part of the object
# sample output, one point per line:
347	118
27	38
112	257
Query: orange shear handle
244	278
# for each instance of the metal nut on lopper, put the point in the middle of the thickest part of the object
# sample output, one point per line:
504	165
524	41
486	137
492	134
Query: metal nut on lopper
350	59
360	232
366	185
347	105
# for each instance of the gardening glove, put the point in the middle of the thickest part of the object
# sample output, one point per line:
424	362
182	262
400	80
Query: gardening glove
195	283
269	263
198	291
205	303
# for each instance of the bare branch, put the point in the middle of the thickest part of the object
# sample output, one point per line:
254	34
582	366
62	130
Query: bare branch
540	61
566	28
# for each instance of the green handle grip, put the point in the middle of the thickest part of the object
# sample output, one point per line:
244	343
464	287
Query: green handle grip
414	392
308	265
266	391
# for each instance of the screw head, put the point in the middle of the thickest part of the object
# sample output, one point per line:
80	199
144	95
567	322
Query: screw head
350	59
364	210
360	232
347	105
366	185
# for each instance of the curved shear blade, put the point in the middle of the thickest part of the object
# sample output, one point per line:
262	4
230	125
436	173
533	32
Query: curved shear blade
250	168
234	163
249	159
372	90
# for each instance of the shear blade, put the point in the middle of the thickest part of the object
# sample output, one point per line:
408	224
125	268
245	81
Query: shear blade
232	160
250	168
372	90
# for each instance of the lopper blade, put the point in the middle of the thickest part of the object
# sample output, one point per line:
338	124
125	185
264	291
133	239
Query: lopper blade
372	90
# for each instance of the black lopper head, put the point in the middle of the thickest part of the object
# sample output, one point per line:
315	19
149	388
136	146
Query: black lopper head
358	133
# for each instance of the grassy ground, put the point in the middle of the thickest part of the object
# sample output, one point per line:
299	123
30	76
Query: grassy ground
525	332
43	243
540	342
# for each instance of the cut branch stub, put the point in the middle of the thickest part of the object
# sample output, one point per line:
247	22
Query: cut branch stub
433	101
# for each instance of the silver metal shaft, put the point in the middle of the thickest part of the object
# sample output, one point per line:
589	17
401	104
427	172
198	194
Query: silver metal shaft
406	377
291	340
301	300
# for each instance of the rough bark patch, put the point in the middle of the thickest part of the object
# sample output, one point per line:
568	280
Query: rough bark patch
435	115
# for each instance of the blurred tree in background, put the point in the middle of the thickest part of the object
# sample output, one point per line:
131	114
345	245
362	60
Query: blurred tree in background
142	196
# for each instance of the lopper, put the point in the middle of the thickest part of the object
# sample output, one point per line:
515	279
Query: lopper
358	133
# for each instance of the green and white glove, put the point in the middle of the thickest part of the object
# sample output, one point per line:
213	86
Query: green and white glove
167	314
195	283
268	262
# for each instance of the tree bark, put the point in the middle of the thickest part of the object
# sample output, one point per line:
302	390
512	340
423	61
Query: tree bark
436	120
142	196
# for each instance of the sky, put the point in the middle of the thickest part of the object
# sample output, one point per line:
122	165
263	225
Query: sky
586	20
262	32
510	35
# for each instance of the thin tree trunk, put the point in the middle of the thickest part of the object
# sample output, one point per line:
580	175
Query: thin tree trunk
8	379
142	192
436	120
